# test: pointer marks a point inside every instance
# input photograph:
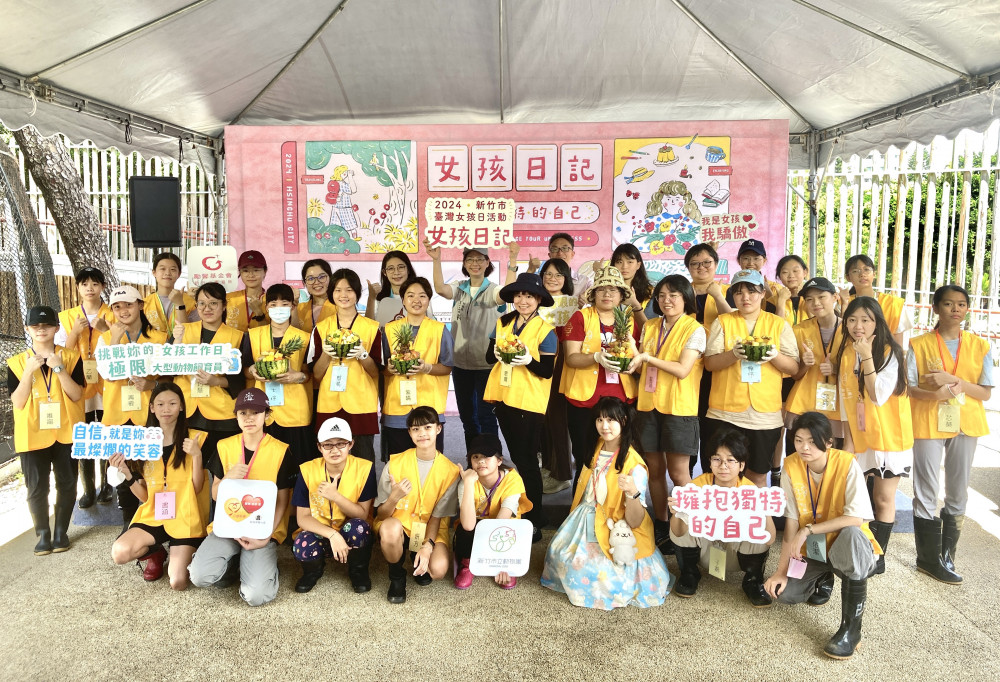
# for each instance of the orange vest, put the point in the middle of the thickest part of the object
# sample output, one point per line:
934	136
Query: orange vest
887	427
219	404
28	435
362	396
87	342
431	390
802	397
113	414
672	395
729	394
419	504
190	507
527	391
972	420
580	384
270	454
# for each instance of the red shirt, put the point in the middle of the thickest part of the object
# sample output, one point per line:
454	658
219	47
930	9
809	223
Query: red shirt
578	332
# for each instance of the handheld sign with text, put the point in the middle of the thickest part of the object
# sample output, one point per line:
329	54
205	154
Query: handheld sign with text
122	361
213	264
97	441
245	509
729	514
501	545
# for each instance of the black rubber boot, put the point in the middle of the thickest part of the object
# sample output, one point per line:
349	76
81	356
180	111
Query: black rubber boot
87	475
397	582
312	571
882	531
687	562
823	591
779	521
951	531
927	537
63	515
854	594
40	518
661	536
106	493
752	566
357	568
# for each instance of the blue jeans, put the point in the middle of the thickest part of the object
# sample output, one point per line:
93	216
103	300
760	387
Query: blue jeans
476	414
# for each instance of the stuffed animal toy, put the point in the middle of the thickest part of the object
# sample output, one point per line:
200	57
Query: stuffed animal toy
622	541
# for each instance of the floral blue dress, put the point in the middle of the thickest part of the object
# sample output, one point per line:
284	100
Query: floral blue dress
576	565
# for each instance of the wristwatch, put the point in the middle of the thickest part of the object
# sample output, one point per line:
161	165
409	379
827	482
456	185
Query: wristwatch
58	370
809	527
363	356
638	494
512	268
259	318
182	307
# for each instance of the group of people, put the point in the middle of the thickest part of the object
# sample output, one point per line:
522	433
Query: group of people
613	386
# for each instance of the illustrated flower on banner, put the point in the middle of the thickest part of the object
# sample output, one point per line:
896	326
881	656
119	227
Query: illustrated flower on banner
656	248
315	208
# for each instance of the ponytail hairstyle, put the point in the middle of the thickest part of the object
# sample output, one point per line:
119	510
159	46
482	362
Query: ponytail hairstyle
611	407
177	454
883	339
855	260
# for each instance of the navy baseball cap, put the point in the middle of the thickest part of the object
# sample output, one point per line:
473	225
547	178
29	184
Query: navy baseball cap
752	245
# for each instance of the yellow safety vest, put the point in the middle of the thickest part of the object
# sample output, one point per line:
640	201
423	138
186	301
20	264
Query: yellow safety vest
972	419
729	394
362	396
113	414
672	395
431	390
297	410
28	434
527	391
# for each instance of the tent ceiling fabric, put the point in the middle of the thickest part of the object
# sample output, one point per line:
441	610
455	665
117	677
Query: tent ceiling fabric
440	61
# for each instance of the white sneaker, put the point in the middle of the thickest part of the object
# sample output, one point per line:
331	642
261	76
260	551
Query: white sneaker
552	485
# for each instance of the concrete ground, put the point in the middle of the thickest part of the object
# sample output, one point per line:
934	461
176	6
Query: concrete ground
78	616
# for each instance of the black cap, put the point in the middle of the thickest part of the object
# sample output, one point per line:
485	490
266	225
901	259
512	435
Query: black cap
752	245
41	314
91	273
821	283
485	444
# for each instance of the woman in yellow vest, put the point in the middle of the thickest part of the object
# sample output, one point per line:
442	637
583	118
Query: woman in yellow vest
728	462
827	514
950	375
746	394
347	388
872	383
167	306
520	381
126	401
172	491
702	261
488	489
210	398
316	275
589	373
417	496
860	271
289	393
671	367
45	384
603	556
333	506
254	455
80	328
245	308
557	471
426	382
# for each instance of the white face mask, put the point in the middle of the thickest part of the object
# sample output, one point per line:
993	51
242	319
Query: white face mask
279	315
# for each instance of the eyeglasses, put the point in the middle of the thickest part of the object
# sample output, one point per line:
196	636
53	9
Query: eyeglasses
209	305
727	463
560	249
554	275
330	447
475	261
395	268
317	279
857	272
702	264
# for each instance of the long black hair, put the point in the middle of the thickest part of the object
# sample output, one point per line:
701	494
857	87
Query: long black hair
640	281
611	407
883	339
177	455
948	288
383	278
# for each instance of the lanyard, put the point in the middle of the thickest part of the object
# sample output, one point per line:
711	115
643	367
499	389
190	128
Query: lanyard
489	497
168	319
599	474
826	348
661	338
46	378
795	300
517	332
90	331
419	509
243	454
813	501
330	479
943	350
353	319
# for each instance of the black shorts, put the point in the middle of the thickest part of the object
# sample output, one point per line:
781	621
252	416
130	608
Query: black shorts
761	444
160	535
668	433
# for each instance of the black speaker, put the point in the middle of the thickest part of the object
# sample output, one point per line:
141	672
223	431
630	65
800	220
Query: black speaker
155	211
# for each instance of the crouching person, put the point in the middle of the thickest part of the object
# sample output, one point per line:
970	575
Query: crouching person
256	456
730	452
826	528
333	500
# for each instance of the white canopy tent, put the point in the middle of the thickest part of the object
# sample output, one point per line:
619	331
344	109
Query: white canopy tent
857	74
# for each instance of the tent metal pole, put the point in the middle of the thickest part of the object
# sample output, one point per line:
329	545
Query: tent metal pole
746	67
222	202
120	37
883	39
291	62
500	53
813	151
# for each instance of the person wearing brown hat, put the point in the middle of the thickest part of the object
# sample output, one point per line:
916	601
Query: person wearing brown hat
45	384
245	308
251	454
522	351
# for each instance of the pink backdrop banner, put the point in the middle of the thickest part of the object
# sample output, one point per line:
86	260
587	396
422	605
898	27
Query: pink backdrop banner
350	193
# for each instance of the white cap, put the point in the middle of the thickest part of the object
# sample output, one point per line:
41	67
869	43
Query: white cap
124	294
334	428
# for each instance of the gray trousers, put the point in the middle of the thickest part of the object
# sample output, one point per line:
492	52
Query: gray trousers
957	452
851	556
258	567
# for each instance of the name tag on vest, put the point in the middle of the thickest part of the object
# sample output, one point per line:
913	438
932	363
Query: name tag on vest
199	390
506	374
717	562
826	397
275	393
652	374
49	417
749	372
164	506
338	379
90	374
949	418
131	398
816	547
407	392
